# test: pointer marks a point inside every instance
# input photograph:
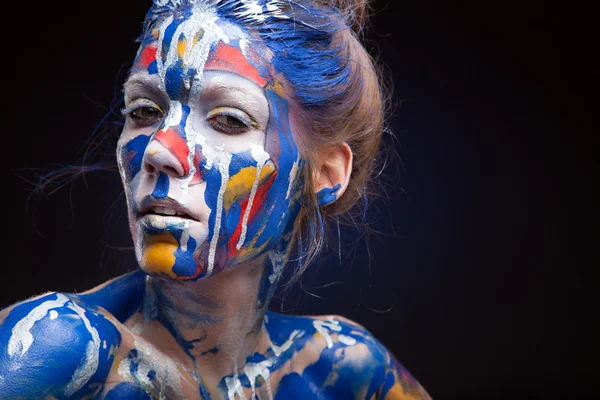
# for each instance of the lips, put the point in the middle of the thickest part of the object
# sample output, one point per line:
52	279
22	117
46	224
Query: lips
167	208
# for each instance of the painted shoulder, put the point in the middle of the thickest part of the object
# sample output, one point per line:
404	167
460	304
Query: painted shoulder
347	361
62	345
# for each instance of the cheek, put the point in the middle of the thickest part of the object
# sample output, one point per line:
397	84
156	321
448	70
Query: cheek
244	200
130	155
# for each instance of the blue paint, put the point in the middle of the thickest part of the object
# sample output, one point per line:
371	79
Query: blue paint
58	349
214	350
133	153
185	263
121	297
153	68
294	387
128	391
327	195
161	190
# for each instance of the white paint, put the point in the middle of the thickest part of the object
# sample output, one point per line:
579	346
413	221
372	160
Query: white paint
88	367
167	373
261	369
261	156
292	180
104	344
347	340
251	9
223	164
278	261
53	314
174	115
185	236
234	386
278	350
323	327
124	369
21	338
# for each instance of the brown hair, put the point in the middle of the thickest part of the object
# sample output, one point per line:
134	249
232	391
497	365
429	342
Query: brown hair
357	118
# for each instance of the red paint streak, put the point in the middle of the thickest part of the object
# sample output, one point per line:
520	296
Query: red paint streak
259	199
197	178
148	56
228	58
199	269
176	145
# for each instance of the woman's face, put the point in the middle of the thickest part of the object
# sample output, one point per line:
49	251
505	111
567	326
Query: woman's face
207	156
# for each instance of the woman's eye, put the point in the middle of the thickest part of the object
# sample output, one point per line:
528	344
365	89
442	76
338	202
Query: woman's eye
227	122
144	116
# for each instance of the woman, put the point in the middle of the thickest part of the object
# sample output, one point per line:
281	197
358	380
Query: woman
247	123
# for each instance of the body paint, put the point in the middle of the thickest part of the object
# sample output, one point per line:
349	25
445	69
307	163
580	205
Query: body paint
250	193
89	336
327	196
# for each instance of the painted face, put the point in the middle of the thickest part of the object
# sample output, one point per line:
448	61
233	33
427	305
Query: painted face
207	156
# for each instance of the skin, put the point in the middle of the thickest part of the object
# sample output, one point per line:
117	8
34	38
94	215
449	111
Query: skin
217	146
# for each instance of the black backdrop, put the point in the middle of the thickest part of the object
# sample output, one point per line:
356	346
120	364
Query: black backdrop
480	281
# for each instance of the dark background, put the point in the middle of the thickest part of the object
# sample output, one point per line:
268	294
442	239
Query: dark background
480	281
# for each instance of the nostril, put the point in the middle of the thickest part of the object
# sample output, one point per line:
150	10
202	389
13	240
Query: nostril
149	168
170	171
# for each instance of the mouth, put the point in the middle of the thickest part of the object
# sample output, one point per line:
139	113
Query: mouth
163	213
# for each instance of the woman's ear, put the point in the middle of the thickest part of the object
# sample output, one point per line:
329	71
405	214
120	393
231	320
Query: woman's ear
333	174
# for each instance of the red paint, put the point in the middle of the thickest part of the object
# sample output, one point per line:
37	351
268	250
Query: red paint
176	145
259	199
198	176
228	58
148	56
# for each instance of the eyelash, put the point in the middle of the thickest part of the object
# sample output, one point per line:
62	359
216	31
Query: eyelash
212	119
142	121
228	128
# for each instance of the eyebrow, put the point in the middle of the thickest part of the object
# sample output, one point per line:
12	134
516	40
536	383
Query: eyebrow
141	84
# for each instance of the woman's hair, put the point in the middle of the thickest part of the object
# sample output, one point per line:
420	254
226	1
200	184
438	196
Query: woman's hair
338	97
317	45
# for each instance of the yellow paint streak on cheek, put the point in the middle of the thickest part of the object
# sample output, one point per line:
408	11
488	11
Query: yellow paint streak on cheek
239	186
159	255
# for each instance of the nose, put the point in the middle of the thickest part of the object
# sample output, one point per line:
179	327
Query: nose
167	152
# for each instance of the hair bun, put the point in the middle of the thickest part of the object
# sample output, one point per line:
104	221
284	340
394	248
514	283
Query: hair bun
354	11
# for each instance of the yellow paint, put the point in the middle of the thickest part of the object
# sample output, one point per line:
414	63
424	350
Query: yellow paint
239	186
396	393
197	37
181	48
159	255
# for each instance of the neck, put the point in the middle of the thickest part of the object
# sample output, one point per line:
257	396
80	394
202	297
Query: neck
217	322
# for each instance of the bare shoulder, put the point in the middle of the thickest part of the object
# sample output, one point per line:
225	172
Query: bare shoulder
55	345
346	361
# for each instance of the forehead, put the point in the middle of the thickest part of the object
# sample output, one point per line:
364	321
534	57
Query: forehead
183	44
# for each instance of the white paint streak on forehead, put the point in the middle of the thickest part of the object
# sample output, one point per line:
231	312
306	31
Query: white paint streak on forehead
21	338
88	367
202	21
